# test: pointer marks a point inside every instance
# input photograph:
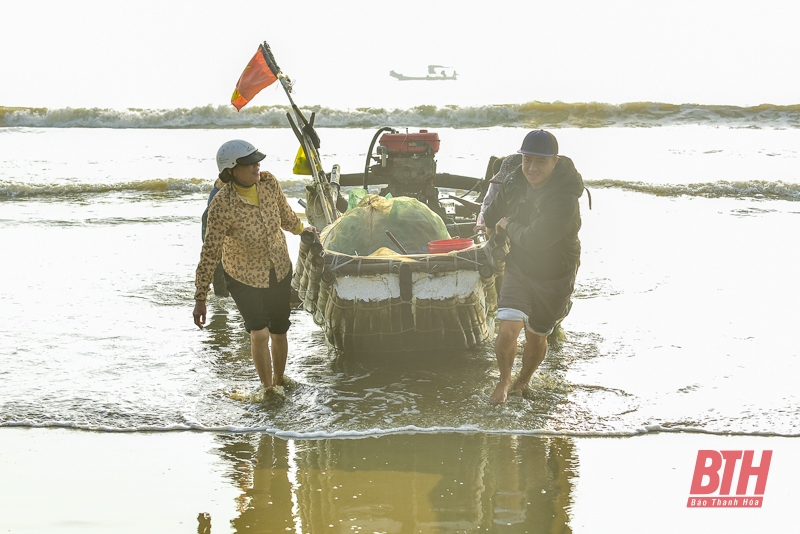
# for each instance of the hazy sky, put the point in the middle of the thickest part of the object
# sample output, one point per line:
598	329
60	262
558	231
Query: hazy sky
176	53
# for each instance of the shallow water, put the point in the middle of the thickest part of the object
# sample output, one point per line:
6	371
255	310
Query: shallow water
58	480
682	316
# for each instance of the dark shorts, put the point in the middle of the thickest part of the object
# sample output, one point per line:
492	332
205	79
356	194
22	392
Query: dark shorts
541	304
263	307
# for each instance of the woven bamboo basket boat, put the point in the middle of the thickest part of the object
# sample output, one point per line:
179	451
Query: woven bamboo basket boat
400	302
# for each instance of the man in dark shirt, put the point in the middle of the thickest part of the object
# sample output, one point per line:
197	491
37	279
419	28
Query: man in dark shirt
538	210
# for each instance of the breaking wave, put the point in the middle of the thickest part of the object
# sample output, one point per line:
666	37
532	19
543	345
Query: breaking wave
745	189
531	114
160	185
295	188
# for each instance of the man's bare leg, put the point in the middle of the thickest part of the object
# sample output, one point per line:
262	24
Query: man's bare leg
505	347
280	349
259	347
532	357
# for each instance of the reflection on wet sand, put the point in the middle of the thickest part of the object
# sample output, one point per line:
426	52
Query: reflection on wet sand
402	483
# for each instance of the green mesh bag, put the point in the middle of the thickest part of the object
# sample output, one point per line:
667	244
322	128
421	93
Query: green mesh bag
362	230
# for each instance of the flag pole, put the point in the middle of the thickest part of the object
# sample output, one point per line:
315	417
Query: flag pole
307	136
266	52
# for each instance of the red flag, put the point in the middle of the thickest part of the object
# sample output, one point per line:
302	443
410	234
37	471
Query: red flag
256	76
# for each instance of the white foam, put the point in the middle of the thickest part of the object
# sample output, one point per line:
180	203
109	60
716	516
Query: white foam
407	429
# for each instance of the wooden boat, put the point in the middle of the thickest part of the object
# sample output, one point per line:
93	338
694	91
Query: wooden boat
432	75
386	298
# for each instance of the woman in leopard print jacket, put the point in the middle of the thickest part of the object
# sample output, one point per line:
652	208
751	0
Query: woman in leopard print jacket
245	219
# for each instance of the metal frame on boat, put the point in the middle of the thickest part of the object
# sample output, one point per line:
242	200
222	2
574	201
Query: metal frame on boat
402	302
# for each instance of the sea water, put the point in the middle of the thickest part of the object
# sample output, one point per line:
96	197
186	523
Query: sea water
682	321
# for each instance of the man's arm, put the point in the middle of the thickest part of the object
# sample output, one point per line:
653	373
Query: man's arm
556	219
498	208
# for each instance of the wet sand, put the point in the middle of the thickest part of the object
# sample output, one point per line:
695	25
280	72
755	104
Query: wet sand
58	480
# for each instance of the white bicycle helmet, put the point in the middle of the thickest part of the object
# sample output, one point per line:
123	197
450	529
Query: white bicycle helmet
237	152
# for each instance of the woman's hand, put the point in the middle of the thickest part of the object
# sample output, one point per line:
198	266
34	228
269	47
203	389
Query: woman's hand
199	313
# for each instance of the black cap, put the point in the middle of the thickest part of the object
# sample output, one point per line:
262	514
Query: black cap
539	143
250	158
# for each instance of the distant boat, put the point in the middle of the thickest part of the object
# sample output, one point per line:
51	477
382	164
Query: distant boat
432	74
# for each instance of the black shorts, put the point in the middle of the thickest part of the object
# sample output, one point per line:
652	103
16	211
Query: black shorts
542	303
263	307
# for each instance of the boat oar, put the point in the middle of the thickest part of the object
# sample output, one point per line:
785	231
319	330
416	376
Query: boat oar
396	242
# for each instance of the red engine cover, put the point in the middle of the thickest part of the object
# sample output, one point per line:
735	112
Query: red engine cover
413	143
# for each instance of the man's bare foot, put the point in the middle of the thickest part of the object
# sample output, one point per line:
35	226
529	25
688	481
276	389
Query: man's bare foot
500	393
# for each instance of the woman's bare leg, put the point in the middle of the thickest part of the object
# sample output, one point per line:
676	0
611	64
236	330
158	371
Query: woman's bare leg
280	349
259	347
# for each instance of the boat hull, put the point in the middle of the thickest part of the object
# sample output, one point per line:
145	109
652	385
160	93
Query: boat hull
401	303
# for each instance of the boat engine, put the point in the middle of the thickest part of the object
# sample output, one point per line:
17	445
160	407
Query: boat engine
406	163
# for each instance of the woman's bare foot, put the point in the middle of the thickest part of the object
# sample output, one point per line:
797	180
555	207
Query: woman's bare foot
500	393
277	380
